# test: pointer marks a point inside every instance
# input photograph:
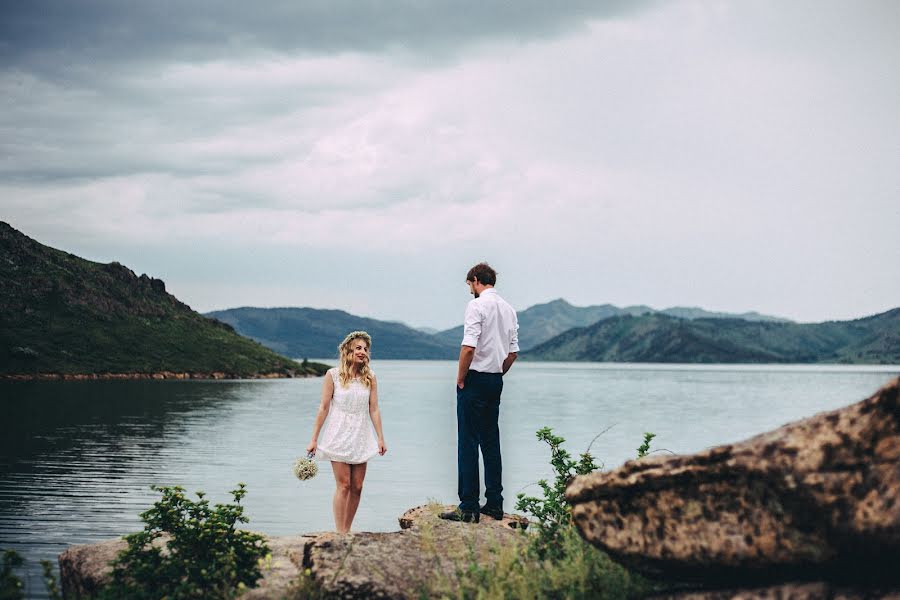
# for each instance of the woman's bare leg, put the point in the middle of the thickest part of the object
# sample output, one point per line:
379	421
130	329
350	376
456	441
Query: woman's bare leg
341	495
357	475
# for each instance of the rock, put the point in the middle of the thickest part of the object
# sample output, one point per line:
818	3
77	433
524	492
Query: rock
428	553
815	499
425	553
83	570
795	590
425	512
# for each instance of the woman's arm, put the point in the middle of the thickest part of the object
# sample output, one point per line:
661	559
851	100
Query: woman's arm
324	405
375	413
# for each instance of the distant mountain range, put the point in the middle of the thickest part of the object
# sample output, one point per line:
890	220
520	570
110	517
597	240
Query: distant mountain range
542	322
316	333
61	314
595	333
662	338
64	315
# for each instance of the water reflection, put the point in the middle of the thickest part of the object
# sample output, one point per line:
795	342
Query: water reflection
77	458
53	416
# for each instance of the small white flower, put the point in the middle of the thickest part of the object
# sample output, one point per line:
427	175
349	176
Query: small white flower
305	468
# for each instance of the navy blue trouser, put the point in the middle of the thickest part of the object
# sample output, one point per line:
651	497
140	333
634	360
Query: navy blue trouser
477	413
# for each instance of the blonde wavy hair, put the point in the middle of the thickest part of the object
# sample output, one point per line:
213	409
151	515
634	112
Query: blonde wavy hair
345	354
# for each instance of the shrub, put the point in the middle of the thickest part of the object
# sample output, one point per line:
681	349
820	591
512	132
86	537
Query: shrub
188	550
551	512
50	580
553	561
10	584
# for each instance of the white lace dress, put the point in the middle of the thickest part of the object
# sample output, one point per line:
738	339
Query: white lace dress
348	435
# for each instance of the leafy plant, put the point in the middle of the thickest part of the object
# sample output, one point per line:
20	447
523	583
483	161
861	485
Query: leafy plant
551	560
10	584
50	580
189	550
644	449
552	512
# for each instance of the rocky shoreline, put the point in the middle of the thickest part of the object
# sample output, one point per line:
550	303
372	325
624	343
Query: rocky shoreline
160	375
426	554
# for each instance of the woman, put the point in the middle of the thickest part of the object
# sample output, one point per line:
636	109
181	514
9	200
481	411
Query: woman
350	401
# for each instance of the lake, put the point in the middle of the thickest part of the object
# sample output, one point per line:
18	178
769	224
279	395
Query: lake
77	458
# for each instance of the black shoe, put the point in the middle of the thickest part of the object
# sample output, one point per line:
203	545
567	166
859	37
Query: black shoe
460	515
492	511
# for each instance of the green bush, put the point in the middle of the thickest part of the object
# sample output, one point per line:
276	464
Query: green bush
553	561
10	584
188	550
552	513
50	580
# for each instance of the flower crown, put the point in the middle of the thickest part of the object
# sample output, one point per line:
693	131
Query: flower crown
352	336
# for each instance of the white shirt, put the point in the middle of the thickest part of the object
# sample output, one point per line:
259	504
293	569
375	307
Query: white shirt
492	328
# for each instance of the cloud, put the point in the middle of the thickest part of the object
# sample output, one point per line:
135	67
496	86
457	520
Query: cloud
52	35
662	156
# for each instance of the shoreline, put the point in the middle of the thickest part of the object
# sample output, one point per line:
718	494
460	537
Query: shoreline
158	375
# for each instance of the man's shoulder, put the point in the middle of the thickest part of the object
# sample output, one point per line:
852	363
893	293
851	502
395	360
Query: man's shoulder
499	300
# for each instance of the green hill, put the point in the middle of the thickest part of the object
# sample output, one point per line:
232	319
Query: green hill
66	315
311	332
666	339
541	322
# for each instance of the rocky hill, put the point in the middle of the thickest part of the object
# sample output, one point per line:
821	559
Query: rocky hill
64	315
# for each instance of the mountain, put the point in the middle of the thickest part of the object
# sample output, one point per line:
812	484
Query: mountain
542	322
693	312
662	338
63	314
312	332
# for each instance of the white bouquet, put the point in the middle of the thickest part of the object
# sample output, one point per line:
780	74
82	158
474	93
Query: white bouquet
305	467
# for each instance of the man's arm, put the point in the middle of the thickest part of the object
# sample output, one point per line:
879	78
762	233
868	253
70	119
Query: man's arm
466	354
509	360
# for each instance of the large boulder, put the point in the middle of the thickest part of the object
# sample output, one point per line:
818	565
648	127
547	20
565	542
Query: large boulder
814	499
427	555
791	590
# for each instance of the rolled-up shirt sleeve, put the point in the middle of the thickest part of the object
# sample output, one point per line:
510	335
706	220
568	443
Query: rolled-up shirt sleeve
514	339
471	325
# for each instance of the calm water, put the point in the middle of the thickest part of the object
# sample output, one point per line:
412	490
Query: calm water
77	458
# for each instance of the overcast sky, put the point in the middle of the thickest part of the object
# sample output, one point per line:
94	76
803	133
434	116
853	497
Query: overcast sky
362	155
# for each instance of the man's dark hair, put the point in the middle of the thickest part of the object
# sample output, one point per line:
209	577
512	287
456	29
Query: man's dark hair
483	273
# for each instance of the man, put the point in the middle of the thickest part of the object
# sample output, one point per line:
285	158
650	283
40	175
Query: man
490	345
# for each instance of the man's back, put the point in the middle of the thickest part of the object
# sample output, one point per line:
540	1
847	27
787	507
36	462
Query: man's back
491	327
